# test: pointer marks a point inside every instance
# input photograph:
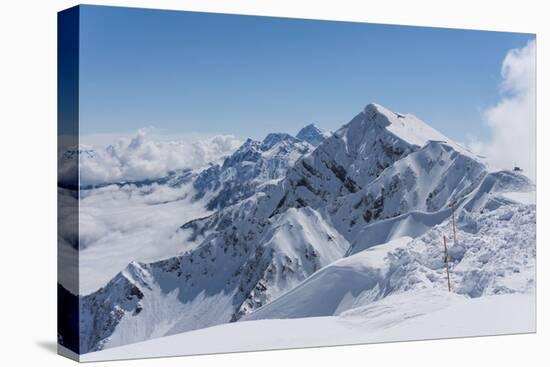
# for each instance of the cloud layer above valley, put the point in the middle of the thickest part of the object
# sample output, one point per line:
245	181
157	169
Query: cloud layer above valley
145	155
513	119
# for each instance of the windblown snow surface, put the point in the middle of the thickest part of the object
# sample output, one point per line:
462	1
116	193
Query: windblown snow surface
295	244
419	316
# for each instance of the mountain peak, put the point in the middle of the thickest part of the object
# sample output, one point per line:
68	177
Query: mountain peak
274	138
312	134
310	127
385	116
373	107
406	127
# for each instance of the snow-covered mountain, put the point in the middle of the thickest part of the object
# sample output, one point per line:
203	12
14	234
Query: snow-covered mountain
254	164
288	214
495	254
357	154
219	281
312	134
137	219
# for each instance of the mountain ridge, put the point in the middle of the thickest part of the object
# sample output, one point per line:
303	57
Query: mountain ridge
381	166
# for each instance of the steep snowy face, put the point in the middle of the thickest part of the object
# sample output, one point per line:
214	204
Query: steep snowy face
223	279
417	194
494	254
354	156
404	126
254	164
487	194
295	245
383	164
427	180
312	134
106	308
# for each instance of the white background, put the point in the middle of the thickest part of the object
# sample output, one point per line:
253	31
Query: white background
28	181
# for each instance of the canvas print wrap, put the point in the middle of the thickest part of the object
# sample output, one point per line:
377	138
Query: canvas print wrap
236	183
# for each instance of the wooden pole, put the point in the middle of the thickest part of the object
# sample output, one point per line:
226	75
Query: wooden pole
447	262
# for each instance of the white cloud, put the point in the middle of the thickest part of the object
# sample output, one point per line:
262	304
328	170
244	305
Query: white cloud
118	225
146	154
159	135
513	119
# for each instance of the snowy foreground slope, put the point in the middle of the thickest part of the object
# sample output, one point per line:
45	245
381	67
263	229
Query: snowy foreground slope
424	315
337	232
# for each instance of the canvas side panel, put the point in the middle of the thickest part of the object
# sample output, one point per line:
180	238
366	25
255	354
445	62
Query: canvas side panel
68	182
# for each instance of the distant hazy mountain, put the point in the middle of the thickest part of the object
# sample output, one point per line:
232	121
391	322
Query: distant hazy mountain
312	134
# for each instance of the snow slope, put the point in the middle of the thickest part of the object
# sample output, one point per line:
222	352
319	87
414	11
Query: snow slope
528	198
427	315
340	286
217	281
495	254
427	180
409	127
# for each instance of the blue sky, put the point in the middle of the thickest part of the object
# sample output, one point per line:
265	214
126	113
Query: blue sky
210	73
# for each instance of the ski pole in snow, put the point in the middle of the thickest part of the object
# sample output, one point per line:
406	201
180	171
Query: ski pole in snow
447	262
